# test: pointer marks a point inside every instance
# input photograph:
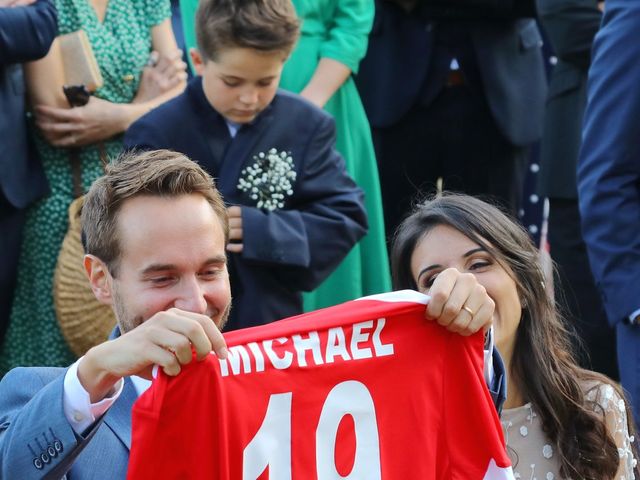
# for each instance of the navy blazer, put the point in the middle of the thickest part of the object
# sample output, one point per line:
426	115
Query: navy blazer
26	34
609	162
508	56
571	26
287	250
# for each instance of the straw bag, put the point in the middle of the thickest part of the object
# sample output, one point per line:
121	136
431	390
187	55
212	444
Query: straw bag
83	320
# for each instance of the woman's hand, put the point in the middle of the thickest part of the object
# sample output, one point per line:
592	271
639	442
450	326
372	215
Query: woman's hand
75	127
163	73
459	303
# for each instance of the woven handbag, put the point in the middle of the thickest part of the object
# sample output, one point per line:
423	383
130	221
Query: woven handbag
83	320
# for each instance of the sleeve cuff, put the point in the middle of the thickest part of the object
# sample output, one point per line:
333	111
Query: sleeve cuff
633	316
488	358
78	409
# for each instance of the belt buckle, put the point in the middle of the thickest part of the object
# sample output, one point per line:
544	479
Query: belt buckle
455	78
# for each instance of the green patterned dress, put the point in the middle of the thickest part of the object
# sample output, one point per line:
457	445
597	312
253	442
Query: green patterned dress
121	43
337	29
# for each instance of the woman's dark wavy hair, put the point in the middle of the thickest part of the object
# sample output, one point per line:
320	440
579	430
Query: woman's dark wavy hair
544	365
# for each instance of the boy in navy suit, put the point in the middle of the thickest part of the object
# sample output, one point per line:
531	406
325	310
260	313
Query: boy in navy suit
293	210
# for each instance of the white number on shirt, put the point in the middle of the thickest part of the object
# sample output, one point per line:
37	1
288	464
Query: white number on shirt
271	446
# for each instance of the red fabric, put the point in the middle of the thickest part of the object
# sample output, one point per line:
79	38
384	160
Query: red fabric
429	404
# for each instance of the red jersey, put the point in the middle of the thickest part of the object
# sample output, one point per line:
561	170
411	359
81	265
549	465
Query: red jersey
365	390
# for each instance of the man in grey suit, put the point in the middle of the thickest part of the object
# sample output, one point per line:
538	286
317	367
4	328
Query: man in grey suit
155	232
26	32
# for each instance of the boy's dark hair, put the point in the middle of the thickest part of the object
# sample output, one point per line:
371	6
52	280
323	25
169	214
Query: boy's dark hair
265	25
161	173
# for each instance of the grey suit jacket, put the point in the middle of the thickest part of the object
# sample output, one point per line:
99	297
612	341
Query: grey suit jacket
36	440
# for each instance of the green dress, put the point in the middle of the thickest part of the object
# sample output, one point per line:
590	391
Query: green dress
121	44
338	29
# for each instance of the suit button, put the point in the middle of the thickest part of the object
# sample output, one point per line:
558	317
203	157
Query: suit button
44	457
38	463
58	446
52	451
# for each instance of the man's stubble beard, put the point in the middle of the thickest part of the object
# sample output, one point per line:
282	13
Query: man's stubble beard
127	322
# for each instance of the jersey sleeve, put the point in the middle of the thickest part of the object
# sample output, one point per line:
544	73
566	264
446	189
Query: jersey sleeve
473	446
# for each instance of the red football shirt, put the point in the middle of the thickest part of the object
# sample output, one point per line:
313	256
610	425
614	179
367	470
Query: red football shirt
365	390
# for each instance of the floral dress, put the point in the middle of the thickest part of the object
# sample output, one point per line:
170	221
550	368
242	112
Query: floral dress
121	44
534	457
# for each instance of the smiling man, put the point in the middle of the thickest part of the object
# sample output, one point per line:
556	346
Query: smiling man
155	231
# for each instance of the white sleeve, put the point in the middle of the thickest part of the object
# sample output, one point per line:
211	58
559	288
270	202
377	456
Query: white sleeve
488	358
78	409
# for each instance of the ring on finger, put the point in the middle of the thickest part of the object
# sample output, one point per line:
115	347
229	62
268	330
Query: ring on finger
471	312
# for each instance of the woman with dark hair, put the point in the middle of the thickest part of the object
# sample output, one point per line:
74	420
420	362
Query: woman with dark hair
560	421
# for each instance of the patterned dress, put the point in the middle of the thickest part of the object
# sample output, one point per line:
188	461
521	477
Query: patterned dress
533	456
121	44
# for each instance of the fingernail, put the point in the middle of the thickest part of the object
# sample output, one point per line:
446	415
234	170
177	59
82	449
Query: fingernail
222	353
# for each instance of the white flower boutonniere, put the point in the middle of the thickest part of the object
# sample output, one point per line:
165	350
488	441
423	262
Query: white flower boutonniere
269	179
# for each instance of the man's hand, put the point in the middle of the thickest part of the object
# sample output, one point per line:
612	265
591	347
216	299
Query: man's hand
459	303
165	339
235	229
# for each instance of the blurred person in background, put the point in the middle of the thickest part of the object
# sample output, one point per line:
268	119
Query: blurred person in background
453	92
609	181
27	29
333	40
123	34
571	26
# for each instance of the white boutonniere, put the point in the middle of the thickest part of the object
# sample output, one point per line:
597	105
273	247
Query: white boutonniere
269	180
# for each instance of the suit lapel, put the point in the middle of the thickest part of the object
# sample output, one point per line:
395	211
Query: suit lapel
213	127
238	154
217	135
118	418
